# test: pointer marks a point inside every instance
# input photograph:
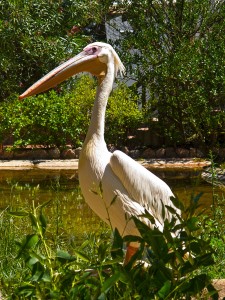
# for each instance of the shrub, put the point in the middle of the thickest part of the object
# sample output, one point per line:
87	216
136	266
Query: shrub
122	115
45	120
59	118
175	50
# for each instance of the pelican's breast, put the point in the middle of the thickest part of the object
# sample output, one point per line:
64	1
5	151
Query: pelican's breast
93	161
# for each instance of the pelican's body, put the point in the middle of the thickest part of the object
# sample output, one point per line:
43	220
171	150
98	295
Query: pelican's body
127	187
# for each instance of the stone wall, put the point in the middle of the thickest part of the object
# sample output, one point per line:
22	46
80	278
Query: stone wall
40	152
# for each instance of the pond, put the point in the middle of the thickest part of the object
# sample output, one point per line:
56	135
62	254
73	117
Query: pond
67	208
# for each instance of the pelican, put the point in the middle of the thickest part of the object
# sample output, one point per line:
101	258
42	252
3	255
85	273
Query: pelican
127	188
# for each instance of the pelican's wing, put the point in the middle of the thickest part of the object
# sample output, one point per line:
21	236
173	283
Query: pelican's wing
142	186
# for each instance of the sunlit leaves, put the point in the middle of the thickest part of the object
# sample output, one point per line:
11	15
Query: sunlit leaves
34	39
59	119
176	51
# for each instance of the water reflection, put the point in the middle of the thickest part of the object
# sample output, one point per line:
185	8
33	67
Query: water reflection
186	183
68	209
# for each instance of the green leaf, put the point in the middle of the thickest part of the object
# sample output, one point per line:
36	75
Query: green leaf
171	210
102	251
192	224
31	241
102	297
113	200
164	291
111	262
110	282
82	256
117	246
84	244
33	260
37	274
46	277
45	203
43	222
64	255
196	198
33	220
19	214
198	283
177	203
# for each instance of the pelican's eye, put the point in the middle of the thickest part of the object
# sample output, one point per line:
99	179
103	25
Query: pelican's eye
94	49
91	50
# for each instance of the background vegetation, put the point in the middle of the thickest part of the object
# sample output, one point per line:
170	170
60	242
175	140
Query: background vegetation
58	119
173	49
179	59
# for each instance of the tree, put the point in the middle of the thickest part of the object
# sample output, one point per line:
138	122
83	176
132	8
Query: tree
176	50
36	35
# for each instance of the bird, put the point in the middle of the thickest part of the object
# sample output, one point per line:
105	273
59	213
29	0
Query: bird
115	186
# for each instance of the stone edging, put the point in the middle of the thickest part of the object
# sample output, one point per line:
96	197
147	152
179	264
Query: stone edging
39	164
73	163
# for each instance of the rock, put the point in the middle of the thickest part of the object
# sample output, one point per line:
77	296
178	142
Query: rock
125	150
77	152
134	153
31	154
217	174
219	284
182	152
160	153
6	154
39	154
199	153
192	152
112	148
54	153
170	152
222	153
68	154
149	153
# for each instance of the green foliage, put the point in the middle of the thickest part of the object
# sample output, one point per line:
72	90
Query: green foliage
180	62
214	227
36	35
122	115
46	120
94	270
33	40
58	119
175	50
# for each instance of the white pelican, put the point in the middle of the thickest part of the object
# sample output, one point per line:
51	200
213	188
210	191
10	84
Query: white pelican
132	187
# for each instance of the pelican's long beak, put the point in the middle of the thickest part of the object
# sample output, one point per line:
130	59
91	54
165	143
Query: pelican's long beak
79	63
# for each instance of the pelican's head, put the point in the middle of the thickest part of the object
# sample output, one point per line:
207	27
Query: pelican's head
94	59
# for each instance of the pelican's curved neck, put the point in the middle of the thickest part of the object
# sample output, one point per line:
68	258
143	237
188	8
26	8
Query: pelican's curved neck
97	124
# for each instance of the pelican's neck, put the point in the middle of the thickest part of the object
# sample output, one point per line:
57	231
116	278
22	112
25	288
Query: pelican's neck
97	124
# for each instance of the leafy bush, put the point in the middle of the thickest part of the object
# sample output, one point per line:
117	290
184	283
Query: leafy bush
176	51
36	35
60	118
94	270
122	115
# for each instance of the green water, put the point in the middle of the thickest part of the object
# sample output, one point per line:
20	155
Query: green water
67	208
